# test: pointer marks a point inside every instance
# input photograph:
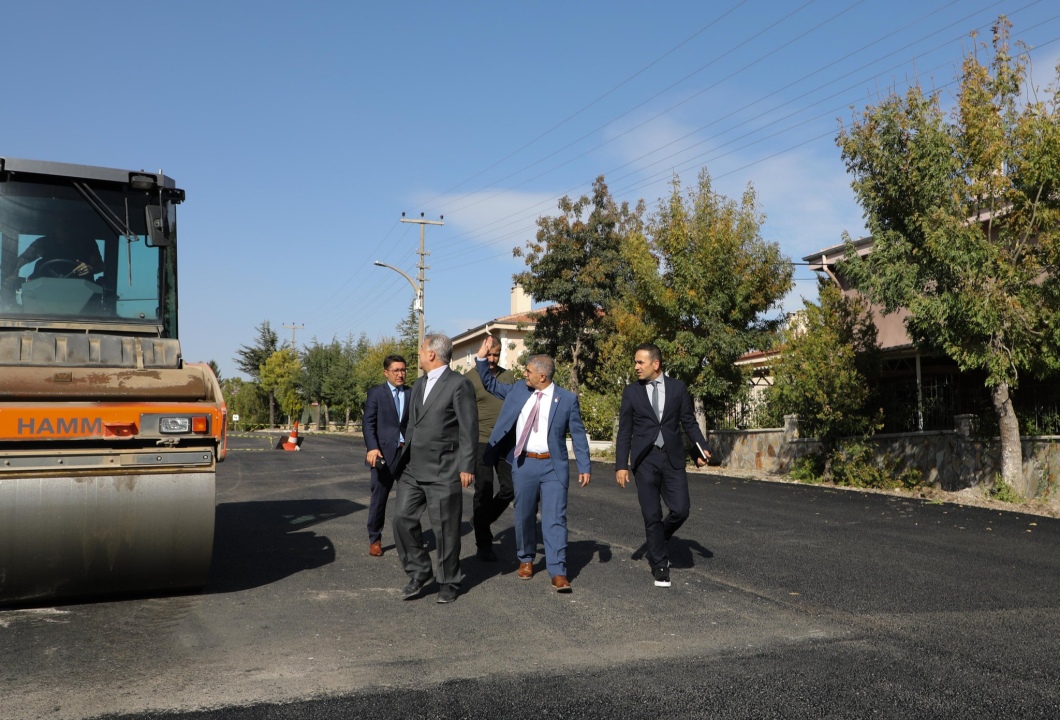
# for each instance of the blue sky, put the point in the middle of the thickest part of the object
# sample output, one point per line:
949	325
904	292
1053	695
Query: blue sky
302	131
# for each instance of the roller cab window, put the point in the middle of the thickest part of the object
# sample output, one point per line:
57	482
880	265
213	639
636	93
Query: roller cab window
73	251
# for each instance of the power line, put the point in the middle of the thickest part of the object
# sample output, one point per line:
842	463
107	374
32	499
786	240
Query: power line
783	104
581	110
449	251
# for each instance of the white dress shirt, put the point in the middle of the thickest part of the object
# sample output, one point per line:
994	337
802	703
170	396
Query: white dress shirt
538	440
431	378
662	391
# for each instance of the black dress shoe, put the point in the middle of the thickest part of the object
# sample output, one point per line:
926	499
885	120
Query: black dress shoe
448	593
486	554
412	589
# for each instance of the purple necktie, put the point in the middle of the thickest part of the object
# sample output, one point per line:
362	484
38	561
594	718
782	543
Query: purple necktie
531	424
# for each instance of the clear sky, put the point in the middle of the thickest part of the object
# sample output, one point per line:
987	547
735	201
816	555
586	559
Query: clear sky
302	131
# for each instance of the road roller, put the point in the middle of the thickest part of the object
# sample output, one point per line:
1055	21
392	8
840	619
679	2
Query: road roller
109	441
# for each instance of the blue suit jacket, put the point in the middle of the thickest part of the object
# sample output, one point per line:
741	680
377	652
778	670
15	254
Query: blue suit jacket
564	416
382	426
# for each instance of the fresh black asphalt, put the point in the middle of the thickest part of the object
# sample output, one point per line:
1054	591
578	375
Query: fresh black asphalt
789	601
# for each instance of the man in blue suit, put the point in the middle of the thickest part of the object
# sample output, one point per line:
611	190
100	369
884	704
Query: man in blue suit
653	413
386	416
534	422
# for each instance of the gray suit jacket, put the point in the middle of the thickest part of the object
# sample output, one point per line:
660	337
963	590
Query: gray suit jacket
442	435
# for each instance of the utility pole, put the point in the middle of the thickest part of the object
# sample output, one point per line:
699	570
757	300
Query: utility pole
418	287
293	329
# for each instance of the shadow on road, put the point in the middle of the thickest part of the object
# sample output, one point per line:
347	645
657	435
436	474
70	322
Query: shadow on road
682	552
257	543
579	554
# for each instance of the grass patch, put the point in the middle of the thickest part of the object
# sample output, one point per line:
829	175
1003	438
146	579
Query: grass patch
1003	492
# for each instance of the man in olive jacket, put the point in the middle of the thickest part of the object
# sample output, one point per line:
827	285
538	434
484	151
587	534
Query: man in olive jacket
488	506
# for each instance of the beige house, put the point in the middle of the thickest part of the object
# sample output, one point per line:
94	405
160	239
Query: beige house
510	330
918	390
892	335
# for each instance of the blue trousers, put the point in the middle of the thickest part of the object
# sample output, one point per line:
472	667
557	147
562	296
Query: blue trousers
381	484
536	481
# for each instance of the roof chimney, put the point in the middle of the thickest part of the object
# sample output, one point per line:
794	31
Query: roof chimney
521	302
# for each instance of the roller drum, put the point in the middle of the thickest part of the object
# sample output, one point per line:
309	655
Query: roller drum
98	535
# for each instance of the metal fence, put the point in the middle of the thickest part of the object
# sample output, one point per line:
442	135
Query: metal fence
942	396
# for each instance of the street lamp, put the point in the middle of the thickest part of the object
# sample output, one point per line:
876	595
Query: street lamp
419	305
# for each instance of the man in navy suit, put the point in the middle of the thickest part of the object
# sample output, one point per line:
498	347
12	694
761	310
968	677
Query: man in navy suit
536	416
386	415
653	412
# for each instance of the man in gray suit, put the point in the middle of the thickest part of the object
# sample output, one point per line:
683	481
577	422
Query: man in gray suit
438	460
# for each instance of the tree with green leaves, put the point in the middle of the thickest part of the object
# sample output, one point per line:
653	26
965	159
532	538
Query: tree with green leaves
576	262
828	367
246	400
704	283
339	389
317	361
250	358
964	213
216	369
279	377
409	338
368	366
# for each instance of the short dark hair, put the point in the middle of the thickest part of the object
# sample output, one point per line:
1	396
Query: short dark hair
391	359
652	349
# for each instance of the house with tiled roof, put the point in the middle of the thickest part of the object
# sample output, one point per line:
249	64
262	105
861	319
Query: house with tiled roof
511	330
918	390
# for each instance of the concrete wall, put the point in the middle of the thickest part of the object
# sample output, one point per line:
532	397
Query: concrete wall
950	459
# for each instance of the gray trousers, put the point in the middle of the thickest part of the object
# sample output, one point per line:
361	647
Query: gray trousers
444	502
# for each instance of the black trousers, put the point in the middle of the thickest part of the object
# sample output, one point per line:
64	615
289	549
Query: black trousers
658	482
486	506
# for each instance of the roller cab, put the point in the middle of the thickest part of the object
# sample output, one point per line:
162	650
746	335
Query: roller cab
109	441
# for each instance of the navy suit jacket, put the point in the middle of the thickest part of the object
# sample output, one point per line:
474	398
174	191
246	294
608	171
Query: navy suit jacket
381	424
564	415
638	425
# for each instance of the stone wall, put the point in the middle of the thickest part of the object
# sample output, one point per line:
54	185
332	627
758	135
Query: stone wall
950	459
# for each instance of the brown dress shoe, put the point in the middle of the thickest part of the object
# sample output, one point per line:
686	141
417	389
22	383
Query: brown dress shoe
375	549
526	571
561	584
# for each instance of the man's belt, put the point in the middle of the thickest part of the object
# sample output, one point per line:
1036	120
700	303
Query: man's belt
538	456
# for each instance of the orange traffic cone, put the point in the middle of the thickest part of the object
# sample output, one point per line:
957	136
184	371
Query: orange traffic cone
293	442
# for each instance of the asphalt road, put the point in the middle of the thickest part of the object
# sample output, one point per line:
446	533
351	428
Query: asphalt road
788	602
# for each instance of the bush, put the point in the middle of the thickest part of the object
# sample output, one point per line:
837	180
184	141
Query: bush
808	468
599	413
1003	492
854	464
